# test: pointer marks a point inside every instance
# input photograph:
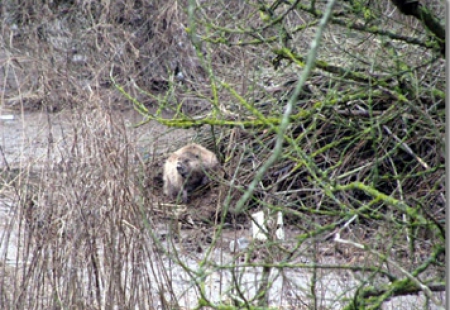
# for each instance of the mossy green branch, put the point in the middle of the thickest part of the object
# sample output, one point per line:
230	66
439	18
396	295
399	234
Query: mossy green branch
259	39
440	250
424	15
260	120
374	297
362	27
323	65
244	102
400	205
184	122
136	104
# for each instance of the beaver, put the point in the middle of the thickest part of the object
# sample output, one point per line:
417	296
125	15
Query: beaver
188	168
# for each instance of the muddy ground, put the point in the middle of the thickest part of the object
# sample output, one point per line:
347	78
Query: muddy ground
27	140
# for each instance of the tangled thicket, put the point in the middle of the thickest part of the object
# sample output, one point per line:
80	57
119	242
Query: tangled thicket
362	159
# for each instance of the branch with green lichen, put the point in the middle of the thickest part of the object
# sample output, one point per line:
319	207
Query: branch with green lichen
323	65
369	190
261	120
373	81
372	297
185	122
424	15
359	26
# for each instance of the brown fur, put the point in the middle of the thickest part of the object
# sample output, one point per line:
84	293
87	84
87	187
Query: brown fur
187	169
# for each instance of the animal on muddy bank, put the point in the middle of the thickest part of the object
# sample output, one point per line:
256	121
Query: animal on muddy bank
187	169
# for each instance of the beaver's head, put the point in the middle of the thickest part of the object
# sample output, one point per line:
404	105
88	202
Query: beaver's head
189	164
